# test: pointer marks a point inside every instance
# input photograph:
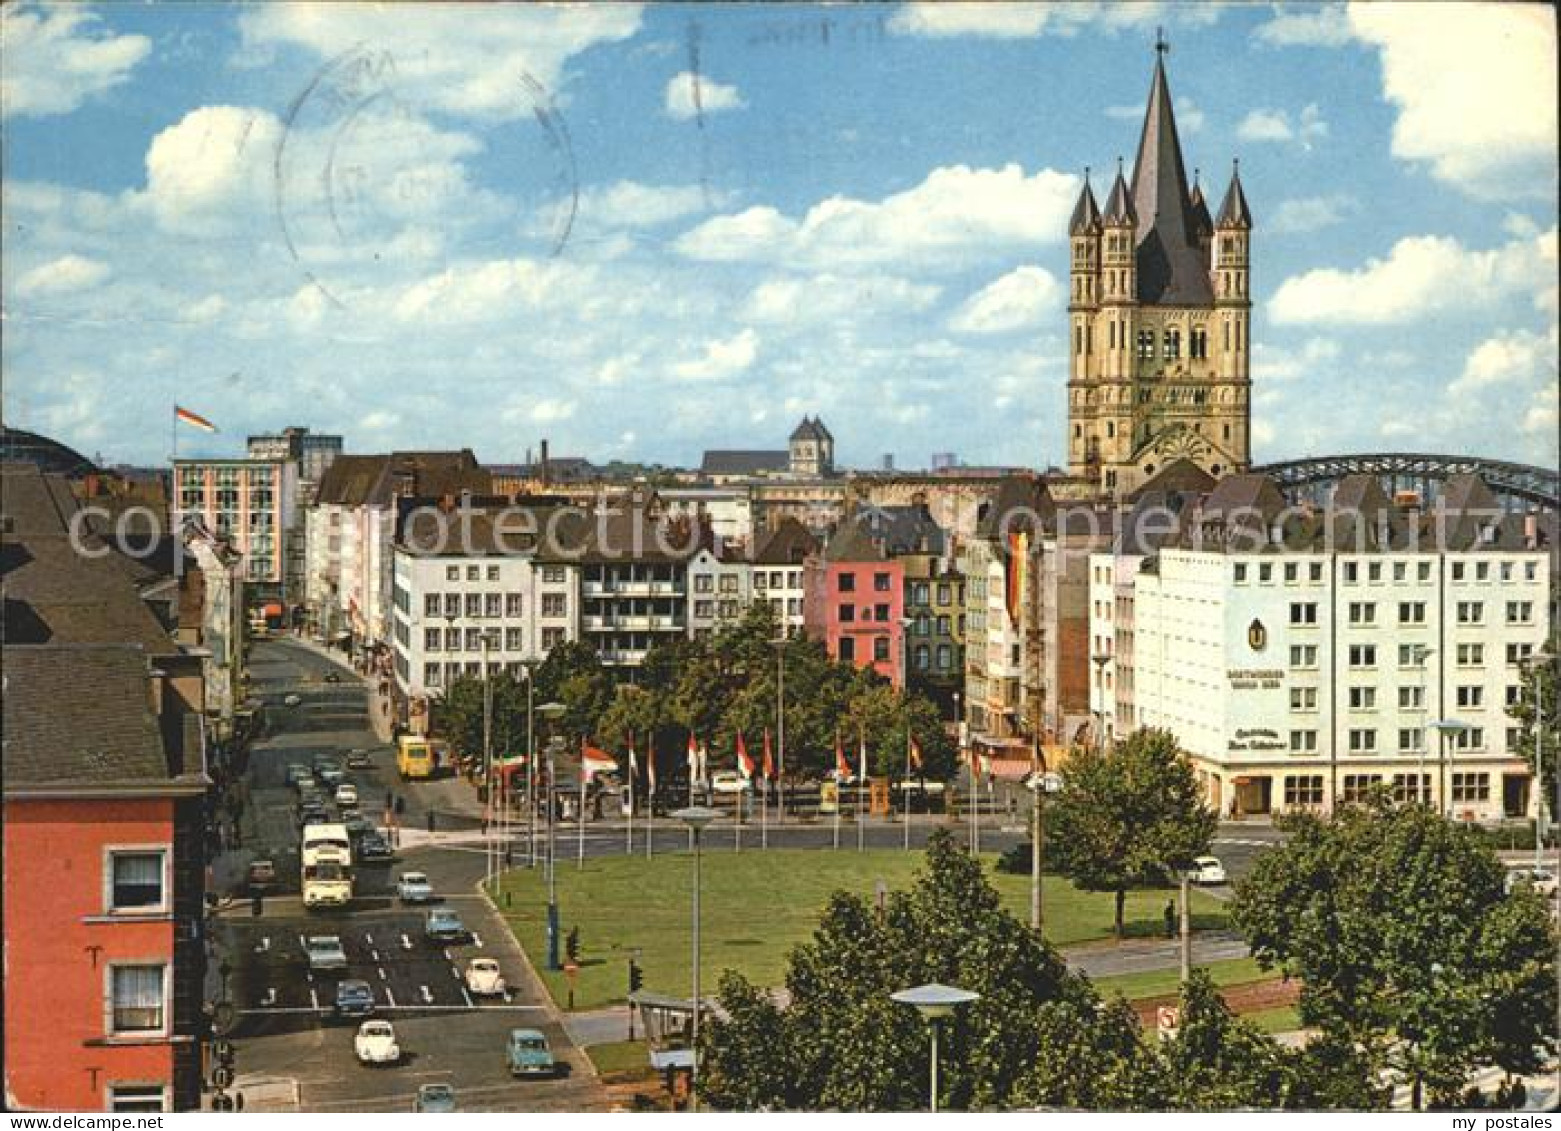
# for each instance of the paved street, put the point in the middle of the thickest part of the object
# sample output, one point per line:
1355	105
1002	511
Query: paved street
286	1035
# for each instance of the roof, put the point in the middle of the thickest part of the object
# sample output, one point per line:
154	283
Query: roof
1022	505
1202	222
903	529
374	480
1233	211
788	544
57	736
1119	205
807	430
853	542
1172	268
1180	475
1086	216
743	461
43	453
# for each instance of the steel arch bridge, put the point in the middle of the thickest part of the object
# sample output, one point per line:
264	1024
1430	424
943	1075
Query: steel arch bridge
1519	486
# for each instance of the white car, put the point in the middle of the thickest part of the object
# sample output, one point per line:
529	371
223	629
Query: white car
376	1043
1208	870
413	887
728	781
347	794
291	700
483	978
1542	879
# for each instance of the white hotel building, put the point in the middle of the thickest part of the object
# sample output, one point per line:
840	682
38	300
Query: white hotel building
1297	675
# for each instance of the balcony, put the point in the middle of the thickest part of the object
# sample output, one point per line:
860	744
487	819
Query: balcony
627	588
633	621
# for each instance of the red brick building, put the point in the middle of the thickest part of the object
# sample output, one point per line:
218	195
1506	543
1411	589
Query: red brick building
855	601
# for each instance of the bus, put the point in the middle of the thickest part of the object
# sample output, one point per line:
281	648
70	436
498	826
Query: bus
326	860
418	757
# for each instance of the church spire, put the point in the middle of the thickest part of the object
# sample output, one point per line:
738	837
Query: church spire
1086	214
1233	211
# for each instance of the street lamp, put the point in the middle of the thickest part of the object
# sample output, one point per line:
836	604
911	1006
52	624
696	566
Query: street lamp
695	817
1422	653
934	1002
551	711
1041	786
780	722
1444	728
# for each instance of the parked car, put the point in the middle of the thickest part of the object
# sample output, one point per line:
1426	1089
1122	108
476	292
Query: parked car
347	795
728	781
529	1055
329	770
261	875
374	848
445	926
359	760
357	824
325	952
354	998
376	1043
484	978
298	774
312	813
332	677
434	1098
1208	870
291	699
413	887
1541	879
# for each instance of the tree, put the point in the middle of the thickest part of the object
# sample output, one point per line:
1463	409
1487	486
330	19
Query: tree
1541	683
458	715
1408	947
1129	817
1216	1062
843	1044
1091	1059
573	675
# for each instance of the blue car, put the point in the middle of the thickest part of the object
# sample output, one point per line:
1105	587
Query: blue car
354	998
444	926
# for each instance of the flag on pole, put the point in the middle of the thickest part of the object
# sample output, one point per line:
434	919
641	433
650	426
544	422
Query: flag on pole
650	765
594	761
769	764
194	419
862	755
916	762
842	767
744	762
634	763
693	757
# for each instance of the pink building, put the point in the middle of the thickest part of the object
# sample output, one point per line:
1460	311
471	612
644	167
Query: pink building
855	602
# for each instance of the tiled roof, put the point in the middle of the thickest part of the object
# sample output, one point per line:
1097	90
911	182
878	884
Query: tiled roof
744	462
80	715
358	480
787	544
853	543
1022	505
1172	268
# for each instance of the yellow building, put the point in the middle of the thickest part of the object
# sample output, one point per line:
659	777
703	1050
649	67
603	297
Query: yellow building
1160	313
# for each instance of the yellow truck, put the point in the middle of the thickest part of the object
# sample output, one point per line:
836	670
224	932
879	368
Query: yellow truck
418	757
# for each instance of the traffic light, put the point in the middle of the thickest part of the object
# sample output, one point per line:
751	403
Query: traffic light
636	977
572	945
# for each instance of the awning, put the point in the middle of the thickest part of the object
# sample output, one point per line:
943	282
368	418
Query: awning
273	608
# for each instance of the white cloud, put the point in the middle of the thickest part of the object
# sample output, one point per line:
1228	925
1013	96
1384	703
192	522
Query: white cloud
212	168
380	421
56	58
62	275
488	289
721	359
628	204
955	212
486	60
1312	26
1315	359
206	310
1022	299
693	96
944	19
1310	213
804	300
1275	125
1475	88
1420	276
550	410
1518	358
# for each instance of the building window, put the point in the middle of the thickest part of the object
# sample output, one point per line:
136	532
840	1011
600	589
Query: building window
1173	344
846	583
943	626
431	604
847	614
848	650
1520	612
1303	741
1363	612
1303	655
703	583
1471	696
881	613
945	657
923	657
1363	741
759	578
1303	698
552	638
136	880
473	573
474	639
452	604
1303	612
493	573
1363	655
1411	612
1518	654
1471	655
1412	655
1423	571
514	604
1265	573
1411	740
555	605
514	640
1146	345
1471	739
432	638
881	582
728	583
1239	573
1471	612
553	573
492	604
880	649
136	995
1351	572
137	1097
1363	698
452	640
1374	572
1357	786
452	573
474	605
1303	790
1292	573
1471	787
1411	789
1411	698
704	610
431	673
945	594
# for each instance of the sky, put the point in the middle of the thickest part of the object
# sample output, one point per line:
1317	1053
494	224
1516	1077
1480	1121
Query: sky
641	232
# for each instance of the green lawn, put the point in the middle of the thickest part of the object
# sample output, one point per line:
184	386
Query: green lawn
1284	1019
1156	983
620	1057
757	905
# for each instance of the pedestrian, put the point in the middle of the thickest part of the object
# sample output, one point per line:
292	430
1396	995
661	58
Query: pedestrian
430	820
1170	919
401	805
390	800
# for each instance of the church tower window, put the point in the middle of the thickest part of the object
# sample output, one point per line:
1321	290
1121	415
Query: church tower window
1173	344
1146	345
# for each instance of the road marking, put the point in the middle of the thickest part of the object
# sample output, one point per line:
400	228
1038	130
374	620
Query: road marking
476	939
391	998
260	1011
368	938
270	998
374	954
427	994
382	977
406	943
455	971
265	944
468	998
314	999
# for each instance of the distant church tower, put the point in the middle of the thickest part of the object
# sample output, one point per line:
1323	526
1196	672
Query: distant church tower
1160	312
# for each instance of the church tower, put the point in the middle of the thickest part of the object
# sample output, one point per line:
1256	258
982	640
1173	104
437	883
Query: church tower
1160	312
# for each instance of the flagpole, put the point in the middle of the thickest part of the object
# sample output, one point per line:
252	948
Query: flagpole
861	780
583	780
975	793
628	841
650	799
970	774
905	791
840	787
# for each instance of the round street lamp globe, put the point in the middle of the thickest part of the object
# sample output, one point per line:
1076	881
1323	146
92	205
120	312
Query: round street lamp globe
934	1000
695	816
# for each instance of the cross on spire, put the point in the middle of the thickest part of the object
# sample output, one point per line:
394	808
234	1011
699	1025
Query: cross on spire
1160	44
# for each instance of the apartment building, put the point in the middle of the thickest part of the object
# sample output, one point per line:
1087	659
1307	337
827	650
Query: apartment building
720	588
778	571
252	503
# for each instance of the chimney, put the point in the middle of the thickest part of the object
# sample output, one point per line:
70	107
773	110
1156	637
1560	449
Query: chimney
1531	531
544	463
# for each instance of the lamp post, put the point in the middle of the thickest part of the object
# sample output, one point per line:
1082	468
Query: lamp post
1100	660
934	1002
1422	653
695	817
491	840
780	724
551	711
1041	785
531	764
1444	728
